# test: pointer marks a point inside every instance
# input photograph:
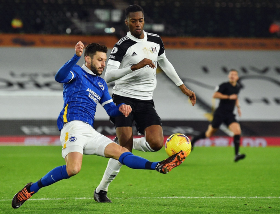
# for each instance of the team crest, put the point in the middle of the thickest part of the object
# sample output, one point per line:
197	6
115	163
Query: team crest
114	50
72	139
101	86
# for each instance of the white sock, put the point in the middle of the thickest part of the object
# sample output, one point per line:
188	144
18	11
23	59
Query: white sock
141	144
112	170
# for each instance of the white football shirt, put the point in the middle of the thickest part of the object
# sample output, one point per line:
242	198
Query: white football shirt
130	50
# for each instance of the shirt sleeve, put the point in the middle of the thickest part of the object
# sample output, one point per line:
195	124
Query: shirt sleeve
168	68
112	110
116	55
221	88
114	73
65	74
162	49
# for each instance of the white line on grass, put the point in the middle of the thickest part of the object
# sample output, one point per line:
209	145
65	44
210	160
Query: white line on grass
171	197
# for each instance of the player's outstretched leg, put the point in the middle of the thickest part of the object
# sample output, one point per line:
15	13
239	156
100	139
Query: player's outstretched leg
168	164
30	189
165	166
22	196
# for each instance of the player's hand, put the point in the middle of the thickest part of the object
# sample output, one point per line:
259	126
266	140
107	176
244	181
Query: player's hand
142	64
192	97
189	93
79	48
233	97
125	109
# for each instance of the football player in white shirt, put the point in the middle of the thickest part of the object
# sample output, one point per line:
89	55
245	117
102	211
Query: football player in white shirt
132	65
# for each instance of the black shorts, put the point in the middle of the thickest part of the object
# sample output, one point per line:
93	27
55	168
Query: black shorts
143	114
219	118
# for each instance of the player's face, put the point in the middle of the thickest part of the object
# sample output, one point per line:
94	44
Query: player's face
98	63
233	76
135	23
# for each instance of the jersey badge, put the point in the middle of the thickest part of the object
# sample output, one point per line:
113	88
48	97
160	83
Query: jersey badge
72	139
101	86
114	50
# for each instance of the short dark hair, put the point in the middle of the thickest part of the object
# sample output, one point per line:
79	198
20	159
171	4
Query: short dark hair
133	8
92	48
233	70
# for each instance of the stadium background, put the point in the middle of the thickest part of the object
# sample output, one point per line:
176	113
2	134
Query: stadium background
203	40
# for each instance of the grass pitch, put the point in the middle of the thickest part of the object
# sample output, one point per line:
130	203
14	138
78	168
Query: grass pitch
207	182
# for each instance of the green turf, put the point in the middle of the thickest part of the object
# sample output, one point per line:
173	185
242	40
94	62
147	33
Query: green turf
207	182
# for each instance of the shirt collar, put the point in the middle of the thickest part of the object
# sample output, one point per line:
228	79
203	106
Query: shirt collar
85	68
136	39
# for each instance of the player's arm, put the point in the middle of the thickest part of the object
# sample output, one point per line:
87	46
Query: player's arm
238	107
219	95
170	71
113	72
110	107
113	110
64	74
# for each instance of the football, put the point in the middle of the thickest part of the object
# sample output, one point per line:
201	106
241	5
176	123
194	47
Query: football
177	142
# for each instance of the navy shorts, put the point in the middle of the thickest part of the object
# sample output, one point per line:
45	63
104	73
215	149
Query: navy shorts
220	118
143	114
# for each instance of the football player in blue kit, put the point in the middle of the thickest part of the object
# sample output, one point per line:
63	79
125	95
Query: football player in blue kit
83	89
227	92
132	66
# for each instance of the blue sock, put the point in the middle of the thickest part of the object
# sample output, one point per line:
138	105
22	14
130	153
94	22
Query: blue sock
136	162
51	177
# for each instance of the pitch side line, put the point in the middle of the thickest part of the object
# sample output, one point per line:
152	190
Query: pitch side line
173	197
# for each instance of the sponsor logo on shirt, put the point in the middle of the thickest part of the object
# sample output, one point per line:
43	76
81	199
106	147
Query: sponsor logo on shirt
153	50
148	50
92	95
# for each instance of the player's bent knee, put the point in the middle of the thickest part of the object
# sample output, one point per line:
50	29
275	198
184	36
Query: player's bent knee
123	149
114	150
73	170
156	144
119	152
157	147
